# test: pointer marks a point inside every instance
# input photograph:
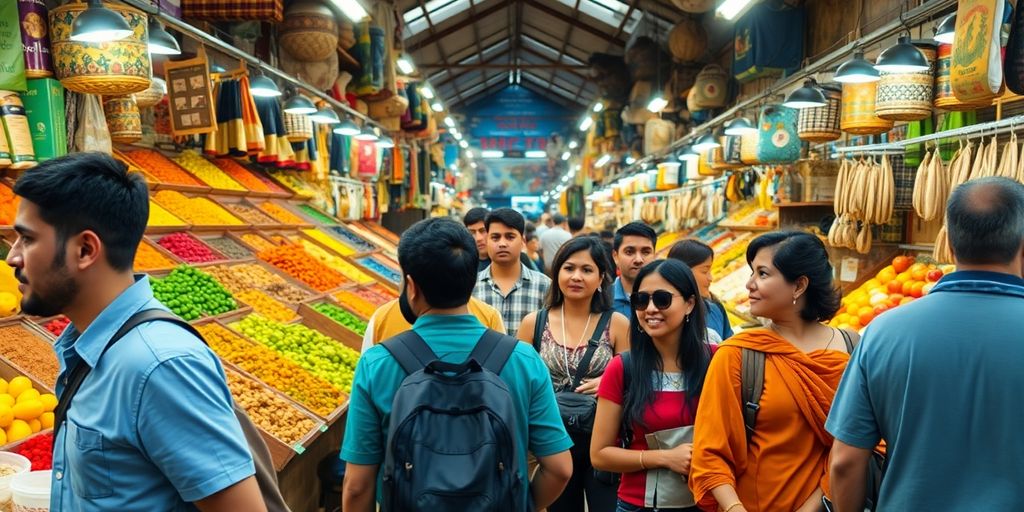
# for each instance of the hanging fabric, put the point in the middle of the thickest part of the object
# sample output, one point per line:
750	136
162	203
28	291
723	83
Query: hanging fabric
397	165
254	134
1013	66
339	154
274	135
230	137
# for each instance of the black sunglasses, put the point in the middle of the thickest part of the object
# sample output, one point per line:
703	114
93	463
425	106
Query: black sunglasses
662	299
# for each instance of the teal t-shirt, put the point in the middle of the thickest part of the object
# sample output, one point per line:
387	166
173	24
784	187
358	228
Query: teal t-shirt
452	338
940	380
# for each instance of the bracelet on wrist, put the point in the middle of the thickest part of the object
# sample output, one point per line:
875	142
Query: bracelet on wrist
734	505
642	465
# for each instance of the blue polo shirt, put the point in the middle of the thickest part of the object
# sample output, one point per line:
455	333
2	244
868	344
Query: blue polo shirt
939	380
451	337
620	299
152	427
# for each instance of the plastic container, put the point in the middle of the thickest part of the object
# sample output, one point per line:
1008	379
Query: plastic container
31	491
22	465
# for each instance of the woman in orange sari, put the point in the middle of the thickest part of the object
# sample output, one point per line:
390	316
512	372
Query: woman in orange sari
781	466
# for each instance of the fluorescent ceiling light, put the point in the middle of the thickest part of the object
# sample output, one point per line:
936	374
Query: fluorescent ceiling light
352	9
469	153
598	107
601	162
473	165
463	144
586	124
437	106
731	9
457	135
491	153
566	155
565	179
536	154
573	144
427	92
630	160
449	122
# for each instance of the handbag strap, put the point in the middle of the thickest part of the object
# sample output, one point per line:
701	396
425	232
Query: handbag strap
74	380
538	327
595	341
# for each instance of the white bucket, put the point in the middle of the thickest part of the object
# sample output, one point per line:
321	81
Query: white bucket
21	465
31	491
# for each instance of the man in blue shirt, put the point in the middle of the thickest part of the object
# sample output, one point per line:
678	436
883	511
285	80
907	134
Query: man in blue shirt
632	248
438	258
939	379
152	426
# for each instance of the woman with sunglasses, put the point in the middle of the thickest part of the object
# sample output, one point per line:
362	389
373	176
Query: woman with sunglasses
576	335
775	458
648	398
699	257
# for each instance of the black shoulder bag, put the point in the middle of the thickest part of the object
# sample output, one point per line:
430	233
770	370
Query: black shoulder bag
577	409
265	475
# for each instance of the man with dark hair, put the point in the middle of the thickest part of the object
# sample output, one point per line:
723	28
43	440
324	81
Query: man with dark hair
576	225
632	248
553	238
508	284
438	259
474	222
129	441
948	447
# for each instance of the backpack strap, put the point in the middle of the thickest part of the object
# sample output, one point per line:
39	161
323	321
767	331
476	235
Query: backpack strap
74	380
412	353
494	350
588	356
538	327
752	385
850	345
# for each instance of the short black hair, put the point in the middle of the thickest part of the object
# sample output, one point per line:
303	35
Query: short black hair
91	191
576	223
508	217
634	229
441	257
606	234
802	254
558	219
602	300
474	215
985	221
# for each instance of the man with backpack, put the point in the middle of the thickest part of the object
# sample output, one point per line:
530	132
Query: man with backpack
151	425
440	417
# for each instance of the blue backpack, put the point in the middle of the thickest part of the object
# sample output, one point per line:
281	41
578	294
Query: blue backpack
451	442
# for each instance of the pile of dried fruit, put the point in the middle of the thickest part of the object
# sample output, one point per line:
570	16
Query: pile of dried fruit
271	413
250	214
350	271
256	241
149	258
209	173
296	262
158	216
248	276
249	179
196	210
188	248
228	247
161	167
329	241
267	305
30	352
281	213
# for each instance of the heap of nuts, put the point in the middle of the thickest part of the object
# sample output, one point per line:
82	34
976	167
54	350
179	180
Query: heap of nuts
271	413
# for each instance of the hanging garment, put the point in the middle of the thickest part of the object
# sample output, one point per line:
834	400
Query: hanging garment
254	134
230	136
339	154
274	135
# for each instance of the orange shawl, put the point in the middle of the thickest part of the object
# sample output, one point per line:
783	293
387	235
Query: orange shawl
787	456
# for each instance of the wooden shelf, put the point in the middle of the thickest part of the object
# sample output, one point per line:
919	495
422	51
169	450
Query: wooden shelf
745	227
806	204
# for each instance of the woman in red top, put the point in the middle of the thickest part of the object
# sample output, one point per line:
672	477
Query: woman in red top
652	391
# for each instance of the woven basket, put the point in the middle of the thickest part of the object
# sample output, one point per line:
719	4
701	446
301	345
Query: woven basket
944	97
298	127
821	124
309	31
657	135
859	116
120	67
394	106
123	119
907	96
688	40
151	96
748	148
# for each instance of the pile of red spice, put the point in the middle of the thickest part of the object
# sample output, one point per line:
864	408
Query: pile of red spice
39	450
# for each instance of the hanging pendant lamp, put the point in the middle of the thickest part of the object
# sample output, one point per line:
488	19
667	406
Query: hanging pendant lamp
808	96
97	24
739	126
902	57
160	41
857	71
946	31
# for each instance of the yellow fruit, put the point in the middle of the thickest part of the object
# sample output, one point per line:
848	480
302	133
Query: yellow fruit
49	402
7	400
6	416
8	304
28	410
3	385
18	430
35	425
27	395
18	385
46	420
3	437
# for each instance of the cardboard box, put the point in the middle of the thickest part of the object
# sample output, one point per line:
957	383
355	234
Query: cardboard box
44	107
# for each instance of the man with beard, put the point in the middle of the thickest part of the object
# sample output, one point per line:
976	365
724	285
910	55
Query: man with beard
632	248
509	285
129	441
438	261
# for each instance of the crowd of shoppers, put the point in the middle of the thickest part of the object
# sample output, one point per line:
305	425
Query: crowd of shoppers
624	380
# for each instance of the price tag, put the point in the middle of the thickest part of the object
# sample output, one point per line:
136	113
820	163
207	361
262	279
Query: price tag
299	449
848	269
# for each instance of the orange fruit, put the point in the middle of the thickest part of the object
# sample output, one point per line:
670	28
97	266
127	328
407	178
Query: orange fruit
907	287
917	290
902	263
920	274
904	277
906	300
881	308
866	318
894	286
887	274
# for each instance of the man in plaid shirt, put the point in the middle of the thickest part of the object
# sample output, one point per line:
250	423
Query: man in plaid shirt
508	285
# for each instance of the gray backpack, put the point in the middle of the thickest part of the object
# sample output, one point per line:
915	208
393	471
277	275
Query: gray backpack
451	442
